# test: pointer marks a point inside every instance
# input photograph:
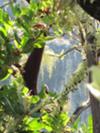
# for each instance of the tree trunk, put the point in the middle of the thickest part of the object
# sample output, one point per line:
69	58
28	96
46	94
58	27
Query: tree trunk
95	108
95	104
92	8
31	69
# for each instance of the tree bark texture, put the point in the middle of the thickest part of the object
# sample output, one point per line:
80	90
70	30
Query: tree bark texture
95	104
92	8
33	64
31	69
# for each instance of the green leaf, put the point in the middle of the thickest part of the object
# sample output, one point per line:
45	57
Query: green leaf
90	123
48	128
64	117
3	32
25	90
8	74
43	93
34	5
35	125
76	124
38	45
35	99
16	10
4	17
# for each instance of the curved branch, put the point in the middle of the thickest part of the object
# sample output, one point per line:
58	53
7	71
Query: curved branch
79	110
70	50
92	8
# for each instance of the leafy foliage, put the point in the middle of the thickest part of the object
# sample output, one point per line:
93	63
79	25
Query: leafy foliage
84	127
29	28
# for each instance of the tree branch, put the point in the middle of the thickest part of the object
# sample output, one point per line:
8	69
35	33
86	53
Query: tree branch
79	110
69	50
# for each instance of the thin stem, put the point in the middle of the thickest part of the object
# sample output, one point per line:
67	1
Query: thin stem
79	110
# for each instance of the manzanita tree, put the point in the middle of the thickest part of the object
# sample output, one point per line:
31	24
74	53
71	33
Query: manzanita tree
22	41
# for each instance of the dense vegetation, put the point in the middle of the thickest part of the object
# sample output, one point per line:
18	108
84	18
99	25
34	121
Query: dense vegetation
24	32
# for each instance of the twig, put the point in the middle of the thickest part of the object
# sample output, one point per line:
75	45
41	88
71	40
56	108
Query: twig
79	110
64	53
69	50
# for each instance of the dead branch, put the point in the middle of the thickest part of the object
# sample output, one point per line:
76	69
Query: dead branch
70	50
79	110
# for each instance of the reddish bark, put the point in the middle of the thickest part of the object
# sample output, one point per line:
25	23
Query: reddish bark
31	69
